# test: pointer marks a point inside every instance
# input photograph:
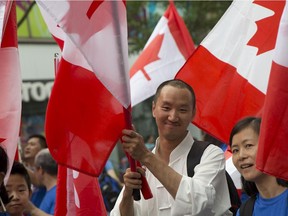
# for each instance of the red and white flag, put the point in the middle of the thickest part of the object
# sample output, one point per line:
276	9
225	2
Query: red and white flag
10	80
273	148
78	194
167	49
230	69
86	110
90	96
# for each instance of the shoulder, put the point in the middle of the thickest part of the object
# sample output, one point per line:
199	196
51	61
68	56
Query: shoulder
213	151
50	194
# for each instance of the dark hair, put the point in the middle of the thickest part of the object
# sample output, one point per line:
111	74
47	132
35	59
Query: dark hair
3	168
19	169
3	160
254	123
41	138
178	84
45	160
251	189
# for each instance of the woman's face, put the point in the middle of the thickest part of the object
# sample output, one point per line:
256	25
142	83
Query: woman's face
244	150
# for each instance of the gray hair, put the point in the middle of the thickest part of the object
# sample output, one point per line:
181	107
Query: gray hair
45	160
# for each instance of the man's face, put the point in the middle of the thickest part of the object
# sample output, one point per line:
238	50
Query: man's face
32	148
173	111
18	188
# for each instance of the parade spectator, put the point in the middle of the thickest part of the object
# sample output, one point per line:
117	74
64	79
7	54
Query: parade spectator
268	195
19	189
174	193
46	173
35	143
4	199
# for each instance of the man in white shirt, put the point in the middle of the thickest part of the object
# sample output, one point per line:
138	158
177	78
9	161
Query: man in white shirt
174	193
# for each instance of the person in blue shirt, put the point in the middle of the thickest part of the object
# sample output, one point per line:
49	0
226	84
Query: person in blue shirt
46	173
270	195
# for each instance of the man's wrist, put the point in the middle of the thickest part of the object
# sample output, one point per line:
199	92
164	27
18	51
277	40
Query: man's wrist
147	158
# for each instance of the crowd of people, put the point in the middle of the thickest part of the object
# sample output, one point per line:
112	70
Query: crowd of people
31	185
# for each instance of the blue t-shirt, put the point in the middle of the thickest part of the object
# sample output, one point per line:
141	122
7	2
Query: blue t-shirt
48	202
274	206
38	195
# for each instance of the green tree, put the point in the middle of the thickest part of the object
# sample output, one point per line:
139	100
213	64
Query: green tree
199	17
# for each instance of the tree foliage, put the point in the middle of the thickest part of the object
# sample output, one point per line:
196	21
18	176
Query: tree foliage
199	17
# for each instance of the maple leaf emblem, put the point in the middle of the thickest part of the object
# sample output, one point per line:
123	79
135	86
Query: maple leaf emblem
150	54
267	29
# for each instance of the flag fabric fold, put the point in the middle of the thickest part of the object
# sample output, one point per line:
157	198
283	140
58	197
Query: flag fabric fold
273	148
165	52
78	194
10	81
229	71
85	114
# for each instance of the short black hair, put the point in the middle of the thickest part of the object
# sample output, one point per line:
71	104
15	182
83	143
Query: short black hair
19	169
3	160
42	139
3	168
178	84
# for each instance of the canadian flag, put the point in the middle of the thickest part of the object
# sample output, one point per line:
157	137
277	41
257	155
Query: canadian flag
167	49
10	80
90	97
273	148
86	111
230	69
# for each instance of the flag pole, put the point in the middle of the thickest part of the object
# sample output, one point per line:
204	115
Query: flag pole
56	63
128	115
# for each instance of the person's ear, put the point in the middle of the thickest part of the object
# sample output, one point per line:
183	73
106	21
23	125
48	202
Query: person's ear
153	108
42	171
